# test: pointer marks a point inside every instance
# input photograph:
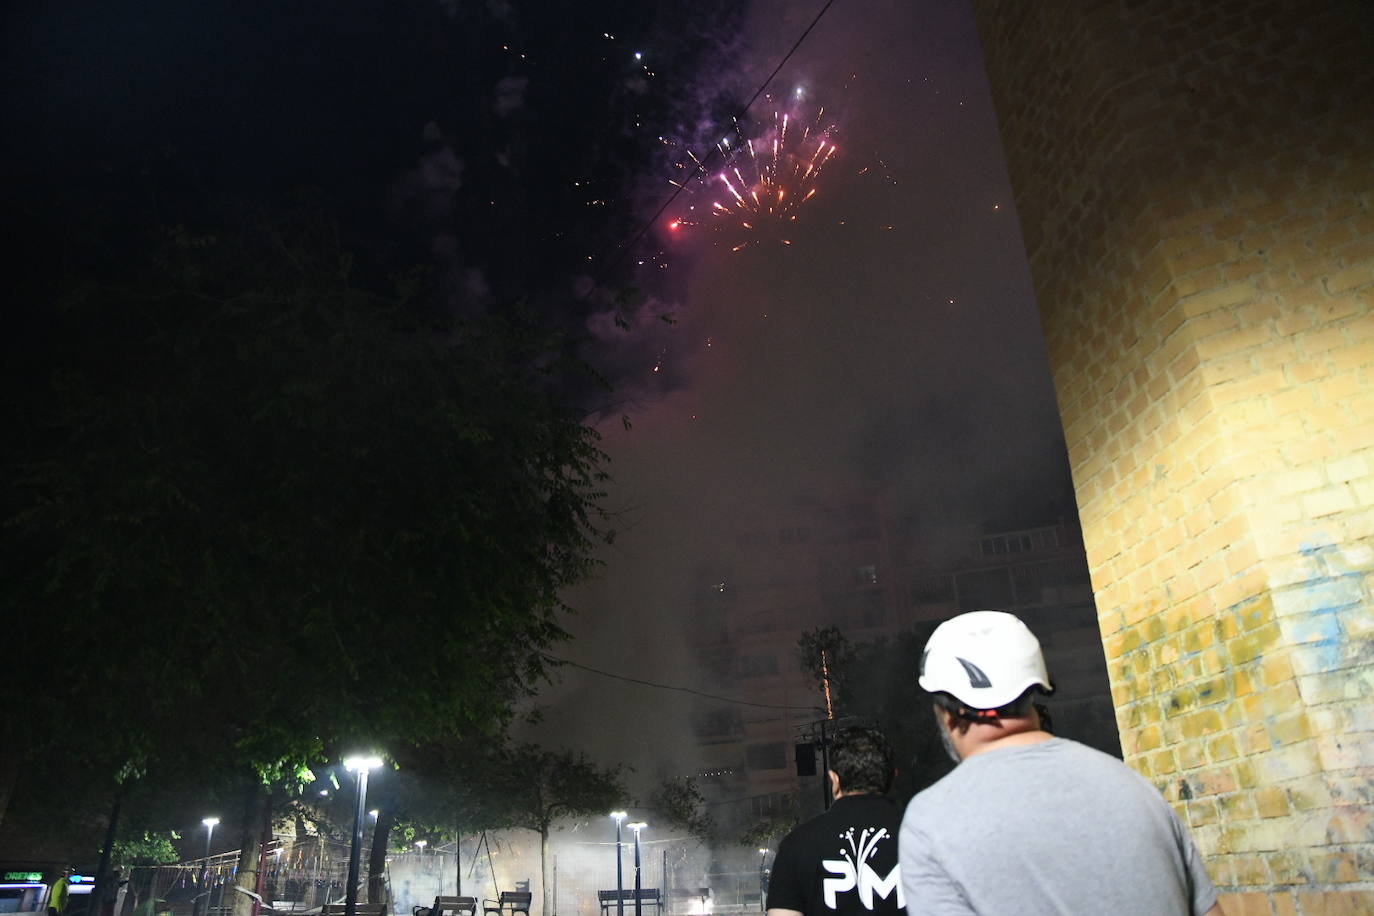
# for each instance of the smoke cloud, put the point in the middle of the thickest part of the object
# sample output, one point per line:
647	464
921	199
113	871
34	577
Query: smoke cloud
893	350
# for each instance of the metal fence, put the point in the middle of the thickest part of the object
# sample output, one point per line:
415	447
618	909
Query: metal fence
678	868
302	876
297	877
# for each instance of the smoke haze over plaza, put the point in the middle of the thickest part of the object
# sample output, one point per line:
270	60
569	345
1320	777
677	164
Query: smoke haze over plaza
891	350
904	363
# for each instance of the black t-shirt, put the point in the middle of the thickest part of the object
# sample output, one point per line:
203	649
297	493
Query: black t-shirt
844	861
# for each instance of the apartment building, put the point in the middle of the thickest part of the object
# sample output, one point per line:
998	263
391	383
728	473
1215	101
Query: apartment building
850	564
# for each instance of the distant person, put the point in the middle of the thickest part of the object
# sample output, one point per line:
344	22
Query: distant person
1028	823
60	893
845	860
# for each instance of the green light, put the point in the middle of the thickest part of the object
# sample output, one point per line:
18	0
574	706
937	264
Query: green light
23	876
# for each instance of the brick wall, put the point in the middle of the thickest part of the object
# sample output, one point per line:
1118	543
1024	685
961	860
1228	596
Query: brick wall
1195	183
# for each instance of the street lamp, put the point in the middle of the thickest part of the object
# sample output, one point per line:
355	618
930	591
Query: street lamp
636	827
763	882
359	766
619	817
209	823
420	845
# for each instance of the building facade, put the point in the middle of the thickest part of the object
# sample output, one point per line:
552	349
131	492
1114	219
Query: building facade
850	565
1195	185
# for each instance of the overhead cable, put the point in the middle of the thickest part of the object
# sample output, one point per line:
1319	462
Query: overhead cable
643	683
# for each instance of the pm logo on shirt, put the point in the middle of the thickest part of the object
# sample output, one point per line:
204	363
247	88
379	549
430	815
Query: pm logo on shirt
853	873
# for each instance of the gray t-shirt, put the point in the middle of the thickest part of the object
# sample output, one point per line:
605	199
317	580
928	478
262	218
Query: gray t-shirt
1054	827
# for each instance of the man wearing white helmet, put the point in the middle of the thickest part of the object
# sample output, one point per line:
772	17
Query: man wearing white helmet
1028	823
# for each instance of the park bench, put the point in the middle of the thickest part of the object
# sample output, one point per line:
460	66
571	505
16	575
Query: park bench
508	903
678	896
362	909
611	900
448	906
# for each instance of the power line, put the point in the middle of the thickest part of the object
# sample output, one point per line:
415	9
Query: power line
634	680
701	164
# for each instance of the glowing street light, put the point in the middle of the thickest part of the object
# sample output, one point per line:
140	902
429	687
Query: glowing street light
619	817
420	845
763	877
636	827
209	823
359	766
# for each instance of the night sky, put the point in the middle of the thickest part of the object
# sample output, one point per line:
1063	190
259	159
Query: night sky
904	362
892	348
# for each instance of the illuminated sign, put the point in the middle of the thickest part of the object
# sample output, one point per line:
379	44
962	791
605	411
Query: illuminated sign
77	879
23	876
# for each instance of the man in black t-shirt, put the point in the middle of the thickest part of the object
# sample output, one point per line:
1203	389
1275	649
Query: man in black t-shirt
845	860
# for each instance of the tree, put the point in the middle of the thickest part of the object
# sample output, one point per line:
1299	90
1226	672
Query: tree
245	480
446	789
542	786
441	790
147	848
186	529
768	829
677	802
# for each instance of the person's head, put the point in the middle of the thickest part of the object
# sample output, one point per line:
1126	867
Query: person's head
861	761
983	670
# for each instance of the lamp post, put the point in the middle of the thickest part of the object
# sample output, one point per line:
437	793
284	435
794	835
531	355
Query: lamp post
420	845
209	823
763	883
359	767
619	817
636	827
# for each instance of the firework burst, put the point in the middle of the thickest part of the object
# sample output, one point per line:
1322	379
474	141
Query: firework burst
763	181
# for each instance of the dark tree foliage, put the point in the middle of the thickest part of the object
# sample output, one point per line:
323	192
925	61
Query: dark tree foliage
544	786
258	510
259	505
533	788
442	790
678	804
766	831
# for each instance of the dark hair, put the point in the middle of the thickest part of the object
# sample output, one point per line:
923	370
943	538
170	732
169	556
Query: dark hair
1016	709
862	758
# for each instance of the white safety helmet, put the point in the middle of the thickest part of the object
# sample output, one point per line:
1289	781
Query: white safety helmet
984	659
